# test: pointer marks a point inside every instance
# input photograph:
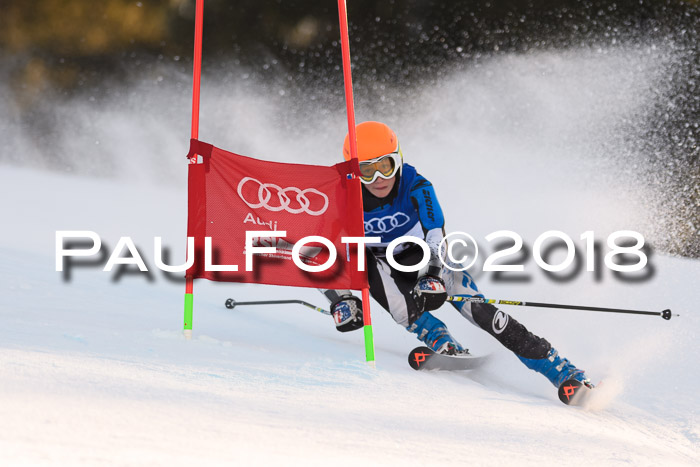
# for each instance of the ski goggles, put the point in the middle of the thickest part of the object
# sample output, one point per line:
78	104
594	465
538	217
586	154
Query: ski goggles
382	167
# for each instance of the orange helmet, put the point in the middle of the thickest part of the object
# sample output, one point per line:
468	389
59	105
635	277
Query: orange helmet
374	139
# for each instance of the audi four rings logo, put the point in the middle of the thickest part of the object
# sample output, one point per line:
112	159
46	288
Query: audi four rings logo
386	224
266	190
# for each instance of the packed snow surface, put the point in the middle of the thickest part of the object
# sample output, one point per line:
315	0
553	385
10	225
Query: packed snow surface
96	370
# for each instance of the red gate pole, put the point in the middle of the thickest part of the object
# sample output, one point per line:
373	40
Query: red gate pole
197	73
350	104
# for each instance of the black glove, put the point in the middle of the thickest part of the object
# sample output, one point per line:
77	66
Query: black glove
347	313
429	293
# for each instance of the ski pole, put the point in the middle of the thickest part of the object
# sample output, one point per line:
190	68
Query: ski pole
231	304
666	314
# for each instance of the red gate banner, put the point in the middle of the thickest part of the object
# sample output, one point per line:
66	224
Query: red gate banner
230	195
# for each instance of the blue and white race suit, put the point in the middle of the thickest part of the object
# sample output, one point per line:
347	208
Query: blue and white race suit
412	208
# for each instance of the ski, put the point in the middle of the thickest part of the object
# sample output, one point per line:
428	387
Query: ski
424	359
574	392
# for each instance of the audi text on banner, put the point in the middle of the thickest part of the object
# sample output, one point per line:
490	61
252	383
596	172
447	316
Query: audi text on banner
230	195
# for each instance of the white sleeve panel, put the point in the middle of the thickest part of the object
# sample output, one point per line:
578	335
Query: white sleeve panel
433	238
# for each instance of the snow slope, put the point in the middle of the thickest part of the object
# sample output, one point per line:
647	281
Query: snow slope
95	370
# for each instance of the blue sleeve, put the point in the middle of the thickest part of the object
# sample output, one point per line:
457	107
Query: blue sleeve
426	203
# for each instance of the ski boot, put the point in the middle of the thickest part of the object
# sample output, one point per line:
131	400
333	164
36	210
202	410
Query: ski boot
435	335
556	369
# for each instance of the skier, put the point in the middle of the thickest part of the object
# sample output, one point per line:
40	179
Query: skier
398	201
